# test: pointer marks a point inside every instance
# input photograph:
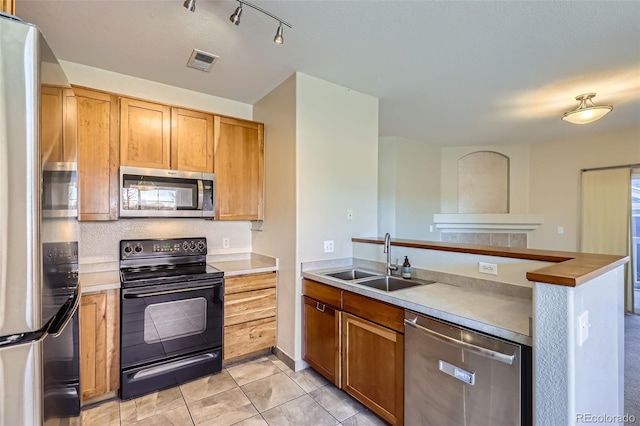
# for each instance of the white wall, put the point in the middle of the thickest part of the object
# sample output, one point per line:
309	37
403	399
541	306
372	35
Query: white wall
337	162
387	195
571	379
555	180
99	240
518	175
277	237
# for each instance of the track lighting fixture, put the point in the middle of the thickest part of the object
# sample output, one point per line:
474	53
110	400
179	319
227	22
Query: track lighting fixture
235	18
278	38
587	111
190	5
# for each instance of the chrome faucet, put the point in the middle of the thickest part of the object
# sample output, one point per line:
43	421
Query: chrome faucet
387	250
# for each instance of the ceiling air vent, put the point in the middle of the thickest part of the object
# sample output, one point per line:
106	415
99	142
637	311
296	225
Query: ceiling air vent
202	61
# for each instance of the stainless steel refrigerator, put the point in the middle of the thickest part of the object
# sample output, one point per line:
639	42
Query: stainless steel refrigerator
39	297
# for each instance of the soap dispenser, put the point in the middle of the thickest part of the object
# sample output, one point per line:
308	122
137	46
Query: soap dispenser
406	268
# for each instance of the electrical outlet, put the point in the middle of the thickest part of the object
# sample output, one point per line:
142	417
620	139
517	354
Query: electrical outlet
430	228
328	246
583	327
560	229
349	214
488	268
225	243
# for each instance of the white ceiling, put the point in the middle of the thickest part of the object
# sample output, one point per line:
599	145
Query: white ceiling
449	73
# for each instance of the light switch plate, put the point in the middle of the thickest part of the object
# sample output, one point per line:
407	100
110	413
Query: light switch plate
583	327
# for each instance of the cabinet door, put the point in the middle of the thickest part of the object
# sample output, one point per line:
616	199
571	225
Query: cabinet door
8	6
97	155
373	366
93	345
145	134
191	141
52	124
99	344
58	125
321	342
239	168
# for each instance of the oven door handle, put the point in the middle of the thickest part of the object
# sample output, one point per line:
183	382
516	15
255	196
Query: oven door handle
162	292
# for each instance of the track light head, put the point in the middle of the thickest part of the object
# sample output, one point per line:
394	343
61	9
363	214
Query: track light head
278	38
190	5
235	17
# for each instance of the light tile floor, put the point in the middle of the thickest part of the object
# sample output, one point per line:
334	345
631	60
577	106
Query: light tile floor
258	392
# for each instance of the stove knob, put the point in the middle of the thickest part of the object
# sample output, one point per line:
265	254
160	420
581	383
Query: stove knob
128	249
192	245
200	245
138	249
185	246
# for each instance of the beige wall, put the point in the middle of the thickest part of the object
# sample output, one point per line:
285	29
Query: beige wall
321	159
83	75
277	238
99	240
518	175
408	188
555	180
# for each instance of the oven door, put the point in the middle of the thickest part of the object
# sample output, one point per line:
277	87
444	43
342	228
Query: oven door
164	321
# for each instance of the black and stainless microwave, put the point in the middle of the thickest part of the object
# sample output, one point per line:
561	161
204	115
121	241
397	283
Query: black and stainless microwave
59	190
148	192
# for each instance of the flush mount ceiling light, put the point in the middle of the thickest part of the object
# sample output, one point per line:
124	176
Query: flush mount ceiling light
587	111
190	5
235	18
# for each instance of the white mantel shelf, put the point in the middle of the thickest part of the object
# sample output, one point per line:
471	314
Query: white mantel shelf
488	221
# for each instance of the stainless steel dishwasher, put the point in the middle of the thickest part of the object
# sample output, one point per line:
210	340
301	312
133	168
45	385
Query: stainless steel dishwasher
454	376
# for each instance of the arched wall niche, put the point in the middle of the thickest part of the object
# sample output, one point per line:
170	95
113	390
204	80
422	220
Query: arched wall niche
483	183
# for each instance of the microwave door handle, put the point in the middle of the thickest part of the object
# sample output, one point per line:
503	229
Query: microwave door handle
200	194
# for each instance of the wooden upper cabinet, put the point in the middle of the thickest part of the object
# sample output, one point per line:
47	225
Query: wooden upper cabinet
191	141
8	6
145	134
239	167
97	155
58	125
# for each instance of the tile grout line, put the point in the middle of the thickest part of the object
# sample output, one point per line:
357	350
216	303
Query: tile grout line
186	405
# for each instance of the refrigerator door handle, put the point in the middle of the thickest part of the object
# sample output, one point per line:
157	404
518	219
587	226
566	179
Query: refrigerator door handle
59	324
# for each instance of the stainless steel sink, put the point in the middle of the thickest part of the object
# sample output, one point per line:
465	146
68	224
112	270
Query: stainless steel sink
352	274
387	283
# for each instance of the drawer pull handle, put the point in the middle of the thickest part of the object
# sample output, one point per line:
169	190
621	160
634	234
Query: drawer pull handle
318	306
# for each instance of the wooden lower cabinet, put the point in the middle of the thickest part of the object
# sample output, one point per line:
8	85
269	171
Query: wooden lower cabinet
99	344
249	315
321	346
373	366
357	343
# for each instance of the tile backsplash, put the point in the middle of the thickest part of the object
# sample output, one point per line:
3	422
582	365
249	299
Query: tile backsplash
503	239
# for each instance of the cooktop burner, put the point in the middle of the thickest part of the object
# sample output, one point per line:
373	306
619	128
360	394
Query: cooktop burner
151	262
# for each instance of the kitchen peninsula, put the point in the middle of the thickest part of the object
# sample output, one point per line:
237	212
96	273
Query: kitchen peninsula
574	371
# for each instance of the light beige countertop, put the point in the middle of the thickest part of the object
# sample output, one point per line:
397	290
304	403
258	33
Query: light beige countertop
243	263
106	276
91	282
502	315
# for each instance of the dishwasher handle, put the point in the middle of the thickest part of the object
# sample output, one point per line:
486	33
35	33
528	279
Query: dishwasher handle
488	353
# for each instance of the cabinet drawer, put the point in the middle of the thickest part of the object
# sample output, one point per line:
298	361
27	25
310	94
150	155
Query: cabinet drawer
373	310
249	306
243	283
241	339
322	292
